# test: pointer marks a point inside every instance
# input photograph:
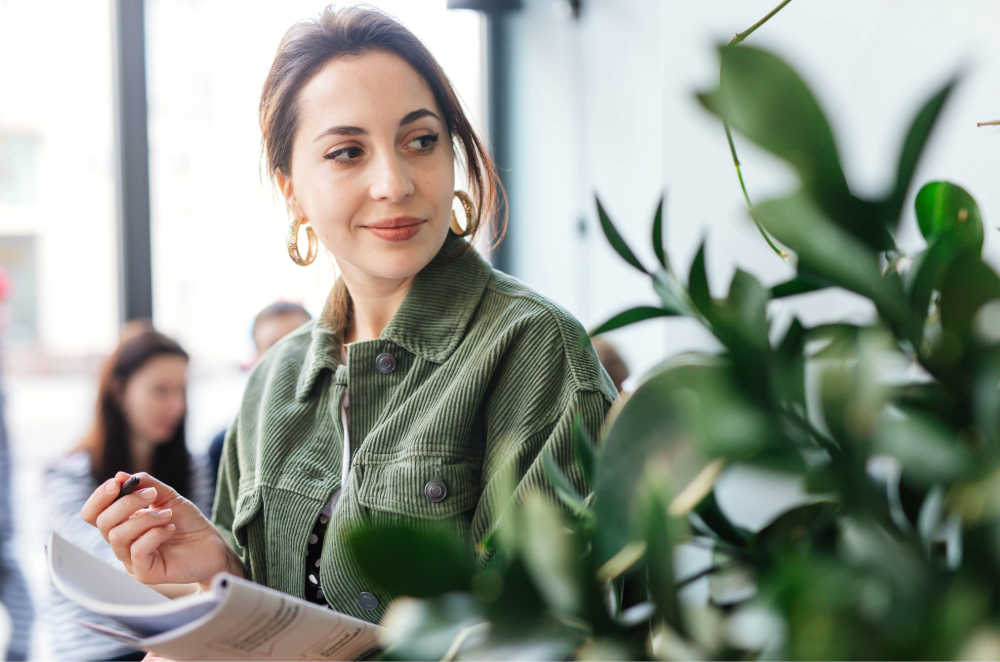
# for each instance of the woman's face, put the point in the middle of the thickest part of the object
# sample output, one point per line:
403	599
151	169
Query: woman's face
154	398
372	166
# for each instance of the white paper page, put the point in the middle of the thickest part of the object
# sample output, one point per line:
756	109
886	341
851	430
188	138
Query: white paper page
104	590
255	622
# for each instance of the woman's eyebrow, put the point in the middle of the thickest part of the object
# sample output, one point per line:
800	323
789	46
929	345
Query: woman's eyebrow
417	114
342	131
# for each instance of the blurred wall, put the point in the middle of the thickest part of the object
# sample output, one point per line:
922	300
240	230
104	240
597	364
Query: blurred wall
604	104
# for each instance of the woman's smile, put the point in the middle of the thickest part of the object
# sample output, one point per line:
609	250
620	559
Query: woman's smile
400	228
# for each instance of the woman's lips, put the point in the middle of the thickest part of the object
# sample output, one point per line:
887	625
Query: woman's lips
396	234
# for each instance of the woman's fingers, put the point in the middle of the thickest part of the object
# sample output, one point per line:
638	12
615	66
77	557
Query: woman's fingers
125	534
102	497
122	509
147	565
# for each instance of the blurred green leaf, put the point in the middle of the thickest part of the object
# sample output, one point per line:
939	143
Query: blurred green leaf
584	446
928	452
713	517
968	284
552	556
631	316
428	629
947	210
564	489
764	99
682	418
662	534
661	254
807	526
913	147
801	284
824	250
698	288
435	561
616	240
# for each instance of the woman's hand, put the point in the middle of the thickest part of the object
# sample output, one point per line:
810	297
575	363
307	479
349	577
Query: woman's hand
171	542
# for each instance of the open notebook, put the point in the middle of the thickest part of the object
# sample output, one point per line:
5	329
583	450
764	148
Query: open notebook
236	620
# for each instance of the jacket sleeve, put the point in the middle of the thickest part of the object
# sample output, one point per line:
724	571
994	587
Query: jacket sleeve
547	377
227	491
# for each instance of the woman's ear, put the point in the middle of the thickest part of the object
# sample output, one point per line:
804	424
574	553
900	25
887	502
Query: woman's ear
287	192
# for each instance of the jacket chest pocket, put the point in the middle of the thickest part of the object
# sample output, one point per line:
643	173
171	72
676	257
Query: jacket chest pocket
426	486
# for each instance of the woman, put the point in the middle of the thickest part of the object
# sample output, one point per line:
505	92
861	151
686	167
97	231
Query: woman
455	371
139	426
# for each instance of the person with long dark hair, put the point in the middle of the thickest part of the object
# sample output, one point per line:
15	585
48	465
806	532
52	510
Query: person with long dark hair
139	426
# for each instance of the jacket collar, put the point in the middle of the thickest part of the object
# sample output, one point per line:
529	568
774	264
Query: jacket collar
431	321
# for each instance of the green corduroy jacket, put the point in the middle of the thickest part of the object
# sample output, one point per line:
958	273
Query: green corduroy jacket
487	375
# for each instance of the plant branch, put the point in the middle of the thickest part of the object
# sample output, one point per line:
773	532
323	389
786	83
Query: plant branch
740	36
737	38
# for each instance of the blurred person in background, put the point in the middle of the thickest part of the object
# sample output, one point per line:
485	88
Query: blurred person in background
139	426
13	588
612	361
271	325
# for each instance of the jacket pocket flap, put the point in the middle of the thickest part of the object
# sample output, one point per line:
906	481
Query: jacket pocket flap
426	487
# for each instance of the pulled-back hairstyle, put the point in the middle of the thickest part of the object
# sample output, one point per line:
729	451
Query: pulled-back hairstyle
352	31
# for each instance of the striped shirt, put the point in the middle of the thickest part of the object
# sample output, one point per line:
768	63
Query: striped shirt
475	374
68	485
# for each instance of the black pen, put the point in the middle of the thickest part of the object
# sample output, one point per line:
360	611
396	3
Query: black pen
127	487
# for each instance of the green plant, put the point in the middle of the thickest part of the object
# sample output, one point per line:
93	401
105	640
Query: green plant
892	426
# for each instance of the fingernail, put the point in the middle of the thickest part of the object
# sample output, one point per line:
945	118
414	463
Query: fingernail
111	486
164	513
170	527
148	493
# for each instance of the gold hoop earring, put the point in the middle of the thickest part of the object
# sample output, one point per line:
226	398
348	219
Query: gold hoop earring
470	215
292	241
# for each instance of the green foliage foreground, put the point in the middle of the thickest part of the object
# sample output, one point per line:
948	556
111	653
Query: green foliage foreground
892	427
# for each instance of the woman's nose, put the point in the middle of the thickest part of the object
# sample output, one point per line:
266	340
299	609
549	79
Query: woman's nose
391	179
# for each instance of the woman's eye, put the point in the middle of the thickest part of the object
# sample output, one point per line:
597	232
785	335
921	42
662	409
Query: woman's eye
424	143
345	154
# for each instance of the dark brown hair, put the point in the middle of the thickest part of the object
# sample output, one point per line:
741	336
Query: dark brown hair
309	45
108	439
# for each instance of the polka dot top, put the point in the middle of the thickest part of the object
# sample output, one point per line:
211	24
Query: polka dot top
314	548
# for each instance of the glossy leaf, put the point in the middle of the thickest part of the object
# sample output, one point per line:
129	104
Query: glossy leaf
631	316
616	240
698	284
913	147
947	210
658	248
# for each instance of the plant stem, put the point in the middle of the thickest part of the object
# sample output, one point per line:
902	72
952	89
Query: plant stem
740	36
737	38
746	196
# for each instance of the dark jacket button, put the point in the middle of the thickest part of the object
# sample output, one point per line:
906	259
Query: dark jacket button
435	491
385	363
368	601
